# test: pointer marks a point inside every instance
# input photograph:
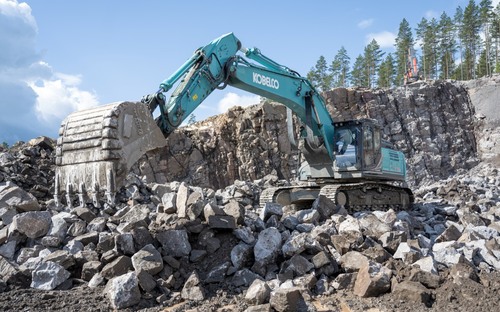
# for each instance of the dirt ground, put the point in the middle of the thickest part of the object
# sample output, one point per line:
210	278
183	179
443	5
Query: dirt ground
469	296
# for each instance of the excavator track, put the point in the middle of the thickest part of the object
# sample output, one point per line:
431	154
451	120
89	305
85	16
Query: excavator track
97	147
353	196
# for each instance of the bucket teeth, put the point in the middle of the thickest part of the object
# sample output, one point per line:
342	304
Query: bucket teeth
69	194
82	195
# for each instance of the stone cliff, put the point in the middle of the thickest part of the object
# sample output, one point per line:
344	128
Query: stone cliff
434	123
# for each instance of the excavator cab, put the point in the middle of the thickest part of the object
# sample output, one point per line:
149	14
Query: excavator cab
361	152
358	146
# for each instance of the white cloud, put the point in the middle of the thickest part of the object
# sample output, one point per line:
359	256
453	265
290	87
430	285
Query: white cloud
59	97
365	23
34	97
385	39
232	99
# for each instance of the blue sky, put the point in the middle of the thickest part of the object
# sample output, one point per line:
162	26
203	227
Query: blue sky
59	56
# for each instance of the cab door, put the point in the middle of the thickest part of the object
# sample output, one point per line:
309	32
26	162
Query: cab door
371	147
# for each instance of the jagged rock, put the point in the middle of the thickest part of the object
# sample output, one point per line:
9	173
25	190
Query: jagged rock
349	225
296	244
48	275
426	264
148	259
123	291
117	267
245	234
181	200
15	197
463	271
244	277
451	233
33	224
407	253
241	255
288	300
169	202
146	281
222	222
373	279
89	269
8	270
194	205
447	253
84	213
353	261
175	242
8	249
345	281
258	293
391	240
217	274
234	209
62	257
373	226
308	216
124	243
192	289
299	265
324	206
271	209
268	246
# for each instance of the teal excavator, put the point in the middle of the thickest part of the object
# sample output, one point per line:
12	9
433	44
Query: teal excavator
347	161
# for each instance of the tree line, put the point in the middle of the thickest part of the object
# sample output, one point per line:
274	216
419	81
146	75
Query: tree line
461	47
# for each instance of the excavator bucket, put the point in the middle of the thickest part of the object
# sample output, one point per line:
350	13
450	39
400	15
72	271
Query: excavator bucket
97	147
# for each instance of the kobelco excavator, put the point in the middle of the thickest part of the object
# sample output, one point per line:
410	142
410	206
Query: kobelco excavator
348	161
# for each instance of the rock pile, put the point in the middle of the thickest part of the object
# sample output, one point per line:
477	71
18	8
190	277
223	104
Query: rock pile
173	243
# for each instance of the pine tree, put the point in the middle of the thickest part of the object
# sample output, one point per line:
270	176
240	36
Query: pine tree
319	75
469	35
421	32
485	15
340	68
387	72
404	41
447	46
358	72
495	35
372	57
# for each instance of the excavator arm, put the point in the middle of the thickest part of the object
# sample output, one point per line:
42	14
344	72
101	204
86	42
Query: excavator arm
218	64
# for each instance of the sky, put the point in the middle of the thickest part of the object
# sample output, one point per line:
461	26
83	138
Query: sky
61	56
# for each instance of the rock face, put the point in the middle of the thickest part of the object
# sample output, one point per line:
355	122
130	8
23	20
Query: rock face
243	144
432	123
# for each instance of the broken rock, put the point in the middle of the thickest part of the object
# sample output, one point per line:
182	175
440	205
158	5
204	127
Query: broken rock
123	291
33	224
15	197
373	280
48	275
148	259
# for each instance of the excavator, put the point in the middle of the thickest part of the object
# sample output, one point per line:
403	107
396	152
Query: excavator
411	74
347	161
